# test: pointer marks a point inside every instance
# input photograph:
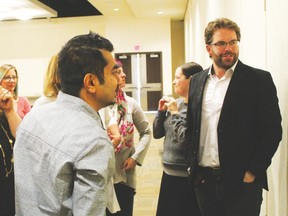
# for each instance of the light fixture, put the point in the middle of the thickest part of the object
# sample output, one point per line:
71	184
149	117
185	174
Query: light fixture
24	9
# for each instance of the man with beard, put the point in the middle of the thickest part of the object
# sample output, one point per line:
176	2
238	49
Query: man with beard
233	127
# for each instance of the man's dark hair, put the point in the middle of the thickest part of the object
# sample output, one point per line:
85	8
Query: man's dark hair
79	56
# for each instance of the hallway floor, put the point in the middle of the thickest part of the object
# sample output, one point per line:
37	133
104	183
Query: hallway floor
149	178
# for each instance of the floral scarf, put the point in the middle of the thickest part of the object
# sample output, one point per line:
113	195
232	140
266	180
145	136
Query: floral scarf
124	120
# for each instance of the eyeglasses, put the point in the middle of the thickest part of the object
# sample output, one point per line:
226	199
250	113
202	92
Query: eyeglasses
223	44
118	72
9	78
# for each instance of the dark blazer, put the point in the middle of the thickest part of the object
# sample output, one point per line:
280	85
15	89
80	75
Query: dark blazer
249	128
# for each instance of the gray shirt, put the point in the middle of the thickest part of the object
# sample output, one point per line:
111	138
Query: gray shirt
173	127
63	160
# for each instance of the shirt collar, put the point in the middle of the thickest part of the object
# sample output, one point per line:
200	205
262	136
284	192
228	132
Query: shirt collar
76	103
228	71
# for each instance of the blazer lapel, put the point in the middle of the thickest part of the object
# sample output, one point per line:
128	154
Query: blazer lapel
197	88
234	91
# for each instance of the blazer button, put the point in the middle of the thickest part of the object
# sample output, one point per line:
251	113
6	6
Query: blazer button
189	170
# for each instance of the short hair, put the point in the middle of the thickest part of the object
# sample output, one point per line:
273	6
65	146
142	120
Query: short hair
79	56
3	71
220	23
190	68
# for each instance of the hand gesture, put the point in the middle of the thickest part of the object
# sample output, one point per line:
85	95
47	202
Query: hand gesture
172	105
130	163
162	103
6	100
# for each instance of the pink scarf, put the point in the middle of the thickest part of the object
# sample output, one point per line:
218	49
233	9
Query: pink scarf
125	122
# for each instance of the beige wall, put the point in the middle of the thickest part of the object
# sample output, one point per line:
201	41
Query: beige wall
29	44
177	46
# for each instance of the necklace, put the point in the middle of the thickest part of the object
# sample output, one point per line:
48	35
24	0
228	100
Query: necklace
3	153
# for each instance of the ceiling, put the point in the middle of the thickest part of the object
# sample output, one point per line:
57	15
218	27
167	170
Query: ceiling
173	9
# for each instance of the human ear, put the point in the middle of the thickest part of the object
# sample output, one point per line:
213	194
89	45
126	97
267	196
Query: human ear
208	48
89	82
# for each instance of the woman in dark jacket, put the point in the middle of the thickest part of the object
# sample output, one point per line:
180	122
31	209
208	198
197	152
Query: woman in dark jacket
9	120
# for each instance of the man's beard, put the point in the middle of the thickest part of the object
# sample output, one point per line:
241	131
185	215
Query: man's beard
225	65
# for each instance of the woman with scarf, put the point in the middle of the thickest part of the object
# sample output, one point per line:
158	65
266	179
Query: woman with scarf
126	114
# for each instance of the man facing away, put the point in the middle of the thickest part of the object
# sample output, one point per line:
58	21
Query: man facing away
234	127
63	156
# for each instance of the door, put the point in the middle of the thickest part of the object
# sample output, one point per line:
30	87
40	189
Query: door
143	77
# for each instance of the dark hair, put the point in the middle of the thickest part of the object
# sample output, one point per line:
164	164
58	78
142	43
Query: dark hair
79	56
220	23
190	68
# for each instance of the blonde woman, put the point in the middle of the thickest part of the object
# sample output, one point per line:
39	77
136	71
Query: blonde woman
9	121
51	86
9	80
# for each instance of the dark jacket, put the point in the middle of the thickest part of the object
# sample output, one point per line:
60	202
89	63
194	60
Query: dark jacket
249	128
7	194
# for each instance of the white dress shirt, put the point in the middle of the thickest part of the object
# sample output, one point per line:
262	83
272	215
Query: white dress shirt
213	97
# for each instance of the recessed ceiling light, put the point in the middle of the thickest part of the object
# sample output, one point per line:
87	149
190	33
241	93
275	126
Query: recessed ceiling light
160	12
116	9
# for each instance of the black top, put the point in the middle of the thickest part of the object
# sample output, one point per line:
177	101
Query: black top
7	200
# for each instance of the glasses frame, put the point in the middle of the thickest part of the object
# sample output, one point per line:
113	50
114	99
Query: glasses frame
223	44
9	78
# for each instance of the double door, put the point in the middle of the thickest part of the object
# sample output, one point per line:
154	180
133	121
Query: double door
143	77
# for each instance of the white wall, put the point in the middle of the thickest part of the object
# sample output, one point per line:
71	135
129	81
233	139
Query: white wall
277	46
264	45
29	44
